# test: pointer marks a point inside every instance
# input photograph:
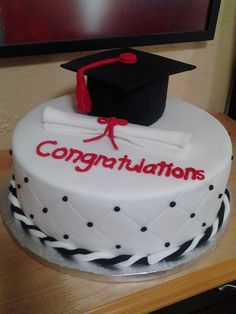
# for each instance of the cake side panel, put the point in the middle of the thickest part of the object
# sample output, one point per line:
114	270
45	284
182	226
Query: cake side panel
137	226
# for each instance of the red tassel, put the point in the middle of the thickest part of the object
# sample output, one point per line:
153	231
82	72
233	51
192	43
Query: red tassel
84	103
83	99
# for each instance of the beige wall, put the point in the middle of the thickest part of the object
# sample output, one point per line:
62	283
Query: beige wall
28	81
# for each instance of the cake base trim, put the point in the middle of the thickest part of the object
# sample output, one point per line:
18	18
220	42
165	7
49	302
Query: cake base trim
108	259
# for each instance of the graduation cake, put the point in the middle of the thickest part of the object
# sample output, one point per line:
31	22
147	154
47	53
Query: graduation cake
122	176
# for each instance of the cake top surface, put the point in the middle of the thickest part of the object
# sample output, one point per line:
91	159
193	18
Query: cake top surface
133	170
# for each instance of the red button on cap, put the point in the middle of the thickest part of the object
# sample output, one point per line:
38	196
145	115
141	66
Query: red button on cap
127	57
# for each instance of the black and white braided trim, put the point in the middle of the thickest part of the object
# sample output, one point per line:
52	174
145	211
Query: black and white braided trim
108	259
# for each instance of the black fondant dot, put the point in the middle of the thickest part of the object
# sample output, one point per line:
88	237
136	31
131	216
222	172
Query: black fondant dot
118	246
117	209
19	186
90	224
192	215
143	229
211	187
66	236
203	224
167	244
10	152
65	198
45	210
232	157
220	195
26	179
172	204
31	216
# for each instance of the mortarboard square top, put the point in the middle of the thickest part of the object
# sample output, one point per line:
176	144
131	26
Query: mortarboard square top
135	91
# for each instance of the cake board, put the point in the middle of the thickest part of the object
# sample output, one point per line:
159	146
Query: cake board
50	257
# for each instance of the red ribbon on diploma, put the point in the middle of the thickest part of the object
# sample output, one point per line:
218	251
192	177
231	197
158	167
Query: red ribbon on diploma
109	130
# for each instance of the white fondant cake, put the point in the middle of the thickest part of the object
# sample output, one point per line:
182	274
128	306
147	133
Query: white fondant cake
157	196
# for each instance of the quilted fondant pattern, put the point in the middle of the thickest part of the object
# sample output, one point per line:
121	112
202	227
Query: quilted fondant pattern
134	227
116	259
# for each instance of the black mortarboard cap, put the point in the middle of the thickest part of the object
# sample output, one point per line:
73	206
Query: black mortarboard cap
135	91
